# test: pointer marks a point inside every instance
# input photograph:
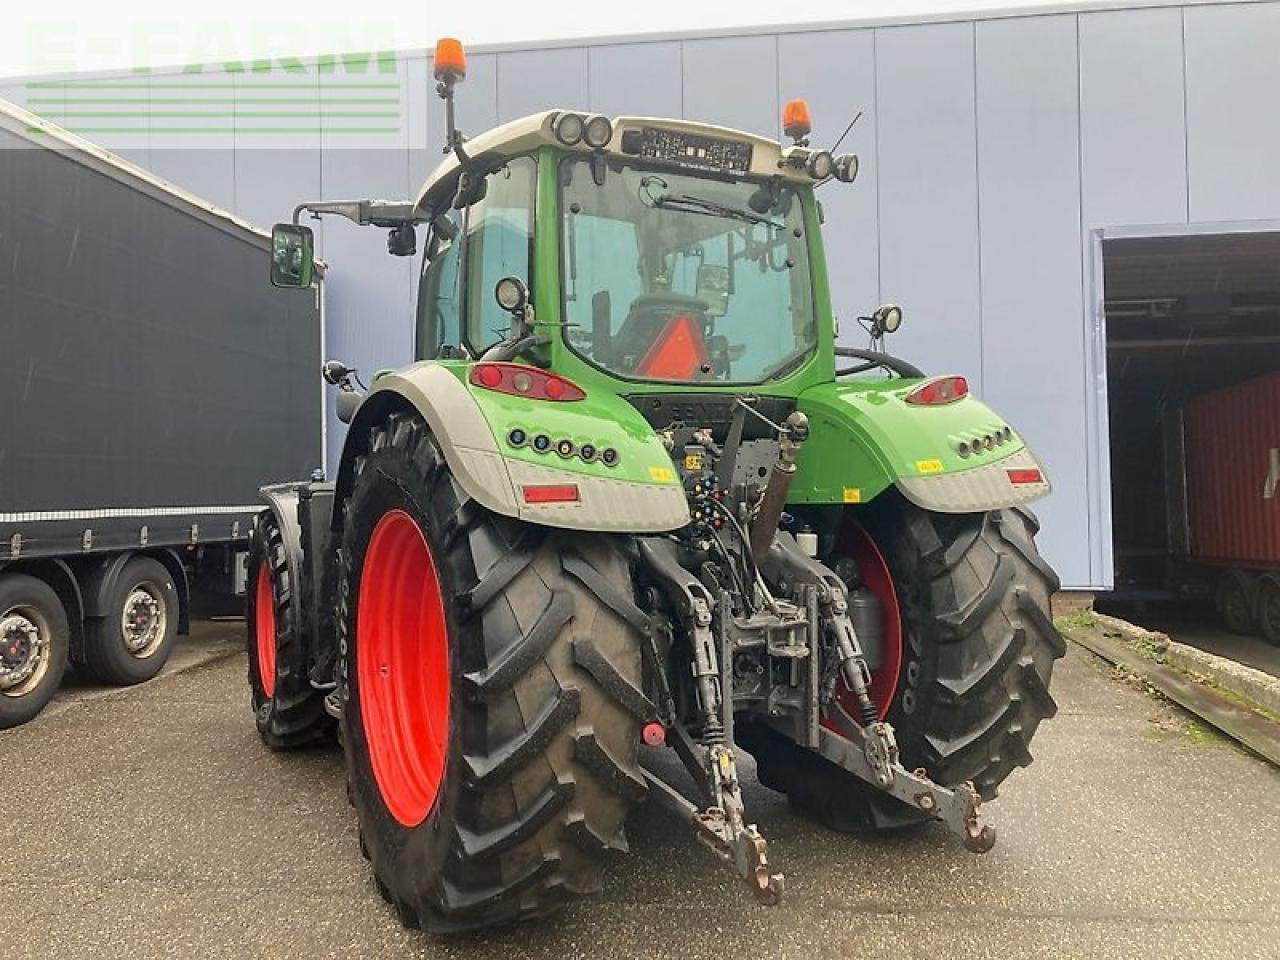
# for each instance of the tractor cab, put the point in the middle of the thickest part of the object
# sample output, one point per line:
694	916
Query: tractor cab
663	252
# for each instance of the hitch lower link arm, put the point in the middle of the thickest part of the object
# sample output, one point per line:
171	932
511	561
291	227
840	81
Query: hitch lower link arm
871	753
878	761
722	826
865	745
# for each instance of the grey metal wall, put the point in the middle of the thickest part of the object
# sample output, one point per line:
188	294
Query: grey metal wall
991	149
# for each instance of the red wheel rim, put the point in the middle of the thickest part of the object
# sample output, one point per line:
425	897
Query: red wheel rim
856	543
402	667
264	628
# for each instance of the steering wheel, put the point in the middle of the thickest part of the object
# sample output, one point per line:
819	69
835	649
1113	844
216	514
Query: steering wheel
873	359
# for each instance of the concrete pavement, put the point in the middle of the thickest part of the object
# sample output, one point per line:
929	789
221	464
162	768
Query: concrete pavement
150	822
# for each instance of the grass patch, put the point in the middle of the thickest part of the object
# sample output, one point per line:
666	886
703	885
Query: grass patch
1080	620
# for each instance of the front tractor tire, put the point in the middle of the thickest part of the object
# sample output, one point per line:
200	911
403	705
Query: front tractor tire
288	710
978	648
492	703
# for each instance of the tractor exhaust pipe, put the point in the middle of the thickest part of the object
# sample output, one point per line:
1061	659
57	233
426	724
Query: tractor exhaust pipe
768	512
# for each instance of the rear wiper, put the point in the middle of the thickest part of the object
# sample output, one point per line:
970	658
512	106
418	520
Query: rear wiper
690	204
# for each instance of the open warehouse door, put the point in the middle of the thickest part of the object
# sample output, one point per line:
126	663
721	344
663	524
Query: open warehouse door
1193	380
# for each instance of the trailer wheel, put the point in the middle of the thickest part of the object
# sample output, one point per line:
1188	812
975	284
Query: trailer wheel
133	641
288	710
492	702
33	647
1234	603
1269	609
978	652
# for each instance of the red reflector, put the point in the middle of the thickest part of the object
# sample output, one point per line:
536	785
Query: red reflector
1029	475
654	734
938	391
679	352
520	380
551	493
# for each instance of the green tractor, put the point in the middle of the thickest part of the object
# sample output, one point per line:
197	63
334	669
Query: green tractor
633	495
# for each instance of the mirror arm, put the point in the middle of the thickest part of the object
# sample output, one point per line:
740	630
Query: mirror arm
378	213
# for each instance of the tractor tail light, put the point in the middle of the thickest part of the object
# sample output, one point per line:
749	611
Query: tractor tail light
1028	475
551	493
938	391
520	380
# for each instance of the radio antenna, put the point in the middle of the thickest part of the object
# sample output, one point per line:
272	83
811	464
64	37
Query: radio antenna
846	132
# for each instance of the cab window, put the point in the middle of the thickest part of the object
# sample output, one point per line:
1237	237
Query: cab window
439	297
499	238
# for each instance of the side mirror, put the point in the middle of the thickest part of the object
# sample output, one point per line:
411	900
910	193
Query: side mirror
293	260
886	319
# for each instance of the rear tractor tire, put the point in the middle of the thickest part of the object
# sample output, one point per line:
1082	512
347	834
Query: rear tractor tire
288	710
492	694
978	647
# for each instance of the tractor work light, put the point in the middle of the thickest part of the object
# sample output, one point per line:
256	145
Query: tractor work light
450	60
519	380
820	165
511	294
847	168
938	391
569	128
795	120
598	132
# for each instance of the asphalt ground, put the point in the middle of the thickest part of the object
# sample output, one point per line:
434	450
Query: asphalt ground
151	822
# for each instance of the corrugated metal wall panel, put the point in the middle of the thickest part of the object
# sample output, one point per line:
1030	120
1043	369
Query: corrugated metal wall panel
1233	126
1029	203
928	187
1229	438
533	80
1132	135
733	82
836	72
641	79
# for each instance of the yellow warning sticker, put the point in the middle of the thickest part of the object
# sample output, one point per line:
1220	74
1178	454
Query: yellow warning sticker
929	466
662	475
852	494
693	461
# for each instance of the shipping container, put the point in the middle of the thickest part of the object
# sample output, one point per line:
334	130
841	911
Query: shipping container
1232	455
1222	452
151	380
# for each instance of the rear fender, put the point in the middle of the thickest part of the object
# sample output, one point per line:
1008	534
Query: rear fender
865	438
639	494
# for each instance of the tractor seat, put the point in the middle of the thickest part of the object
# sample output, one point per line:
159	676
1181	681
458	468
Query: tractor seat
663	337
